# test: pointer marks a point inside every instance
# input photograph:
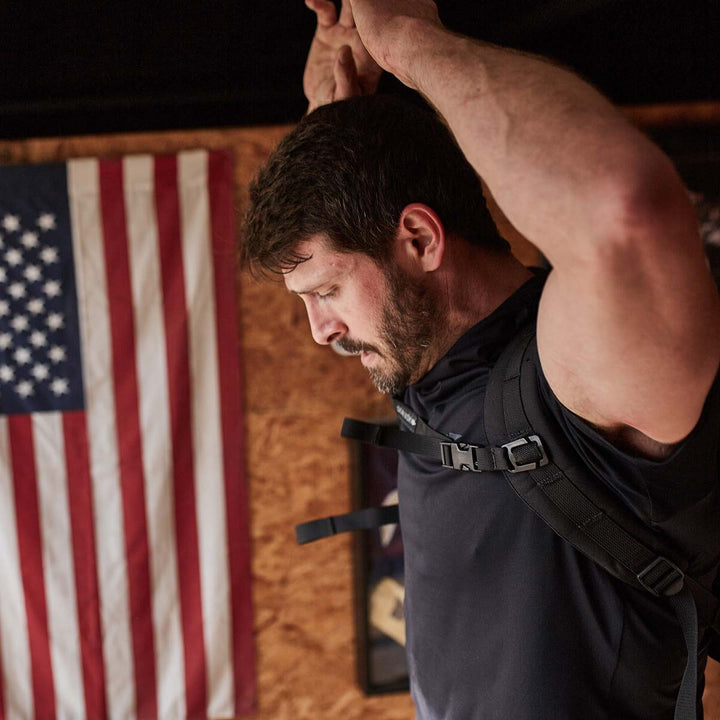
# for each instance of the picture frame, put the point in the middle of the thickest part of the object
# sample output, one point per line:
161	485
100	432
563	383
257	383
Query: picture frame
379	575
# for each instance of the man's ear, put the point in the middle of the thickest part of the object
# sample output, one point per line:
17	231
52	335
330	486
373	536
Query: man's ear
420	239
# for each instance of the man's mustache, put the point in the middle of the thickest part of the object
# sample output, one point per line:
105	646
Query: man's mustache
354	347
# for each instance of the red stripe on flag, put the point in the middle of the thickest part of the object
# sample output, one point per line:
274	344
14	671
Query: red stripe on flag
122	325
31	561
178	364
224	254
77	461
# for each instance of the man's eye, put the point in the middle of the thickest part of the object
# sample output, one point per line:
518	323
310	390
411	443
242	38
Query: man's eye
329	294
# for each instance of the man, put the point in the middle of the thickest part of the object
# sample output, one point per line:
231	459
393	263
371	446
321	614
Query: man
376	220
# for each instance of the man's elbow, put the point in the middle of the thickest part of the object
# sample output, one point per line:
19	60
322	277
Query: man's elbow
648	207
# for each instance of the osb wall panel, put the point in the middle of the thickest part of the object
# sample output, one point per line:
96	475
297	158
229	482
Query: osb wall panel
295	394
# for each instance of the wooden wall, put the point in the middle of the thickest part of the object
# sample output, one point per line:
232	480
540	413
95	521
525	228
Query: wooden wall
295	394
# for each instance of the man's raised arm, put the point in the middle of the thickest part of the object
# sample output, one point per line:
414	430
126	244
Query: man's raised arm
629	326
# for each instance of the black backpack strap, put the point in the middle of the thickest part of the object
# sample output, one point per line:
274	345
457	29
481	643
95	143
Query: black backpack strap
579	517
683	604
521	454
592	521
361	520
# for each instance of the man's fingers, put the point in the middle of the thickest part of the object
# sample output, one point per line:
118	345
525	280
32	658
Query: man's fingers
325	11
346	15
345	74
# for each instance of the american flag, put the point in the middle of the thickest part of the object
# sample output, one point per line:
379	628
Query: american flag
124	546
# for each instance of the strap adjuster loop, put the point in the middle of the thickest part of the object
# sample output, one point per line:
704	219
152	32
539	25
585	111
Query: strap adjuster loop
531	457
662	577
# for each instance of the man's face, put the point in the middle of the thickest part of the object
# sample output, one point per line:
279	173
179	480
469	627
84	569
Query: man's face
385	317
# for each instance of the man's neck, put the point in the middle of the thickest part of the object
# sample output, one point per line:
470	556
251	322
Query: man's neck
471	285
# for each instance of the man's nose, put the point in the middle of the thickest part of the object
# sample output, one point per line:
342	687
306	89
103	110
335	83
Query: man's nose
325	328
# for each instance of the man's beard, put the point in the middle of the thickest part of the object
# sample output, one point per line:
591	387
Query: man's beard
407	330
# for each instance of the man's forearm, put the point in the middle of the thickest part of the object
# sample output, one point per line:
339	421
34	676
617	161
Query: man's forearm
561	162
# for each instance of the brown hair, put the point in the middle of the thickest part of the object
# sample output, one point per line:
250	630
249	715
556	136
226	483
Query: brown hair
347	171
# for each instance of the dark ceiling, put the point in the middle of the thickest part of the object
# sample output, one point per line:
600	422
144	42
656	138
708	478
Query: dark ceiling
76	67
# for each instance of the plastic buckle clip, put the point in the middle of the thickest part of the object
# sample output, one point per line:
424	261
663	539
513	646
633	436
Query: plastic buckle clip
662	577
458	456
522	462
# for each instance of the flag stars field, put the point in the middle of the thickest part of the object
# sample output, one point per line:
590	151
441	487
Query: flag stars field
33	354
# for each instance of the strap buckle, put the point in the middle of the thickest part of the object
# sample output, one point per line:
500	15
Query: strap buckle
661	577
459	456
531	457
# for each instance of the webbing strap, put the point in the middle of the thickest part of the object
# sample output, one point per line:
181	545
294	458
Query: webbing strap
389	436
684	606
517	456
652	571
361	520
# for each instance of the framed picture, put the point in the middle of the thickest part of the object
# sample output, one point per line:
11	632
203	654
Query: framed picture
379	576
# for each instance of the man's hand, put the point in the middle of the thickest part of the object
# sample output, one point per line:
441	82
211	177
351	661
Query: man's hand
338	65
381	24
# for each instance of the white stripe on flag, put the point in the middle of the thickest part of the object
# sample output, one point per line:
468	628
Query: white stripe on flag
207	431
83	189
58	566
14	641
155	427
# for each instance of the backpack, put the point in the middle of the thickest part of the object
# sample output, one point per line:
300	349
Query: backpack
537	460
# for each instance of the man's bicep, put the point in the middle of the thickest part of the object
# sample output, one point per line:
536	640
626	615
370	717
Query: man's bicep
631	337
